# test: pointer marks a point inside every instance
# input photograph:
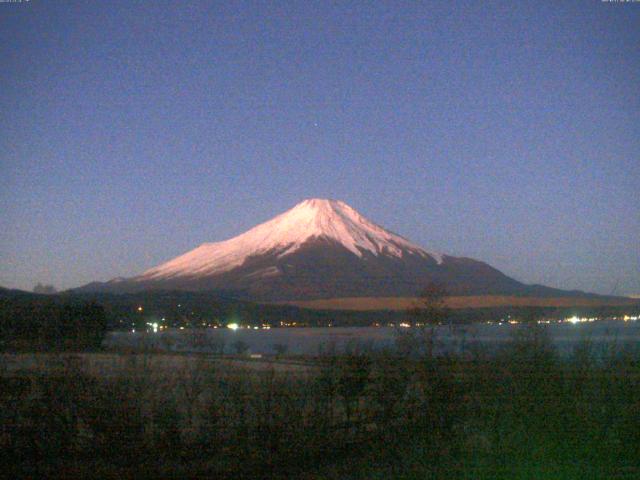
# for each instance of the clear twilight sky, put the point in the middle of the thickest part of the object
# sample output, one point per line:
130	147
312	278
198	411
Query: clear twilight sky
509	132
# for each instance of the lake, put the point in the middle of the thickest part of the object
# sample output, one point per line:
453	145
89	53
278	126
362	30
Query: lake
313	341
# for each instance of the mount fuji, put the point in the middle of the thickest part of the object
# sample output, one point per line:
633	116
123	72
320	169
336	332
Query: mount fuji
319	249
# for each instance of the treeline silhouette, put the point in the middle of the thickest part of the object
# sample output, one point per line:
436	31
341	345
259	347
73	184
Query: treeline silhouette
43	322
192	309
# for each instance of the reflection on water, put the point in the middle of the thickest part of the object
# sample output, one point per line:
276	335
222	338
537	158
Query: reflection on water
314	341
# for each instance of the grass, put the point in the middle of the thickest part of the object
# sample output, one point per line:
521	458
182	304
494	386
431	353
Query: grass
521	413
459	302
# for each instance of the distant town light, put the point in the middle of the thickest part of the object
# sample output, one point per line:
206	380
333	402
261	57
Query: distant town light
233	326
573	319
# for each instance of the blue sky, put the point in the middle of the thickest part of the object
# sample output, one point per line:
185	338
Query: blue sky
134	131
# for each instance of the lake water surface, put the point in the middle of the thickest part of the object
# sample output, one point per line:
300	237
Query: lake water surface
313	341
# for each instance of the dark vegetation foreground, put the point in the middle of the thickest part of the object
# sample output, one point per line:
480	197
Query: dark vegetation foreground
522	413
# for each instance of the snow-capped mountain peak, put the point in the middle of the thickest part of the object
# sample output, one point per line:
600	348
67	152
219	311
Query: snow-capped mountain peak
317	249
311	219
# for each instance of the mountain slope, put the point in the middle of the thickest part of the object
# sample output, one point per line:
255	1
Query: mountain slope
287	233
319	249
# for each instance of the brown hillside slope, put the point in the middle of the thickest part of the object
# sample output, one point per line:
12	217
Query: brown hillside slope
473	301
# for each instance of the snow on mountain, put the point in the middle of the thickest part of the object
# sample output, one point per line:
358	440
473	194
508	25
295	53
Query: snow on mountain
311	219
319	249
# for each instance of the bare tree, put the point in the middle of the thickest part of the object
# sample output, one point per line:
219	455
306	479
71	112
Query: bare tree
280	349
240	347
429	311
217	345
353	376
431	305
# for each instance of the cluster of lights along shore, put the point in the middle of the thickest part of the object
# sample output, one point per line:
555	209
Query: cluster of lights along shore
154	325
